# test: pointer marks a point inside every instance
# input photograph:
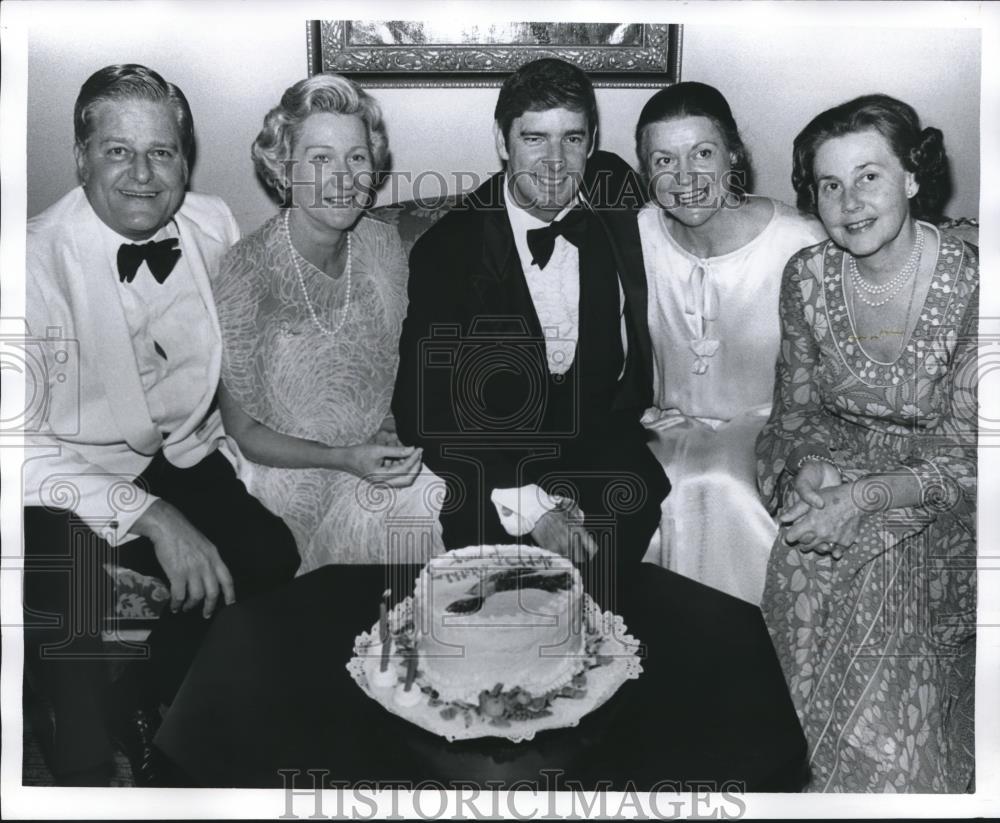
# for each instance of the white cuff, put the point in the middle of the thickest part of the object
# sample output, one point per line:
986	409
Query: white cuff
520	508
121	532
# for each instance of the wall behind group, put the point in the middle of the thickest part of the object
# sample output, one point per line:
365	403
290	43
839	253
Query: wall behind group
776	79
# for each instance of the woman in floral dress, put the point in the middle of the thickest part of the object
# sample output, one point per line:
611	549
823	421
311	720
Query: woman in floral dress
869	461
311	305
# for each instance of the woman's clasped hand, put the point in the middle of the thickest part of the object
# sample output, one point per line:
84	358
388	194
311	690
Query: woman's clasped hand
396	466
823	514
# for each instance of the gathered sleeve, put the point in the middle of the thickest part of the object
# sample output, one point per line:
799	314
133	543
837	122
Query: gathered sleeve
796	411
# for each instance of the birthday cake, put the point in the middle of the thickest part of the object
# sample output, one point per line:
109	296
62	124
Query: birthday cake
492	621
496	641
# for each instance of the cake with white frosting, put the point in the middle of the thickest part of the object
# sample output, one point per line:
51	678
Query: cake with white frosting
498	619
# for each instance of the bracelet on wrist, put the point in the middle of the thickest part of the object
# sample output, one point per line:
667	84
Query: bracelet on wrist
819	458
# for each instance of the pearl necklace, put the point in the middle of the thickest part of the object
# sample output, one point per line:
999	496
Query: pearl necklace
302	283
863	287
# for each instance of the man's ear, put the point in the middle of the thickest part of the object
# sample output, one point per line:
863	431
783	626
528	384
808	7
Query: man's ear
593	143
82	173
501	142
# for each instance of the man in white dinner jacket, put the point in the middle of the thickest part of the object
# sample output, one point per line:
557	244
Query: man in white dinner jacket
124	464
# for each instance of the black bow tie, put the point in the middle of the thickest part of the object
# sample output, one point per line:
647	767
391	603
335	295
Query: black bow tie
161	258
541	242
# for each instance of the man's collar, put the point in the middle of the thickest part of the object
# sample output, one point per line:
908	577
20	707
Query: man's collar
522	220
112	240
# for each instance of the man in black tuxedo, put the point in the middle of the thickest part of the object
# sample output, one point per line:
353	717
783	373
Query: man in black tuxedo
525	355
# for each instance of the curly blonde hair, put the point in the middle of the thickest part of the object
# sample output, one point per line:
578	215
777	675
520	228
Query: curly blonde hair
325	92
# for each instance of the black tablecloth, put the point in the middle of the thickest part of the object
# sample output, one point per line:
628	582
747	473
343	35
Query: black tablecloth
269	691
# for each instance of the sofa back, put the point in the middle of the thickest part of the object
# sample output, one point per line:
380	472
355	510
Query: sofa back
413	218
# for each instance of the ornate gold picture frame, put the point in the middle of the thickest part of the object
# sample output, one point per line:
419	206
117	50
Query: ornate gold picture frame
413	54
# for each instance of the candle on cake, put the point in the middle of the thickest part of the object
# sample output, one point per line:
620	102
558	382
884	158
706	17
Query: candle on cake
383	630
383	676
407	695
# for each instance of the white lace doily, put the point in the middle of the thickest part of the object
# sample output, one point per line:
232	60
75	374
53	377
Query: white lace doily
615	661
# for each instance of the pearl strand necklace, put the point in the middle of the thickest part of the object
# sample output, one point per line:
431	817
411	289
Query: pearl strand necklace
302	283
891	288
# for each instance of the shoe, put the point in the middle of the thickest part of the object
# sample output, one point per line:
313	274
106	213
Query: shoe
133	730
151	768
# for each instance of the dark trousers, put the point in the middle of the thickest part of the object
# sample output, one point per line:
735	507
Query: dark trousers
67	595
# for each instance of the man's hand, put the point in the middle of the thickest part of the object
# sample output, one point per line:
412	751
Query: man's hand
561	531
192	563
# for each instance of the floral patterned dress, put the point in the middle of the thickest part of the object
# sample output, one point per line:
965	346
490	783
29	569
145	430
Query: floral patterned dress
878	648
335	389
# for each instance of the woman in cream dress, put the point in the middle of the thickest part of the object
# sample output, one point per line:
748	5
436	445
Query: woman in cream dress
714	257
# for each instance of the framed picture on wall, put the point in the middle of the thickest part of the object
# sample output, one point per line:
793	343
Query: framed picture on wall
413	53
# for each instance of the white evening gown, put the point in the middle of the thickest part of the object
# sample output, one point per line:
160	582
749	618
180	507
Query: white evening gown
715	332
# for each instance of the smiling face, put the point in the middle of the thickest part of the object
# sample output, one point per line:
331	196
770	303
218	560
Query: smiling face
132	167
546	152
688	165
332	168
862	194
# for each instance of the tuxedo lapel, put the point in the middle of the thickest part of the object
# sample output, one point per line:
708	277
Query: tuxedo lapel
199	248
108	335
500	284
499	263
620	230
201	252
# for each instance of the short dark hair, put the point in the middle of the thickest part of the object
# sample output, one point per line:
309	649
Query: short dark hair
919	151
691	99
130	81
545	84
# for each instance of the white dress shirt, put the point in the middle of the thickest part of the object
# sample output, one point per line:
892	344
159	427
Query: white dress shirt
555	293
555	290
172	316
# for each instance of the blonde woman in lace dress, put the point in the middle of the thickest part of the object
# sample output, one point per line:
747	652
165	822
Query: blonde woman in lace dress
714	256
310	307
